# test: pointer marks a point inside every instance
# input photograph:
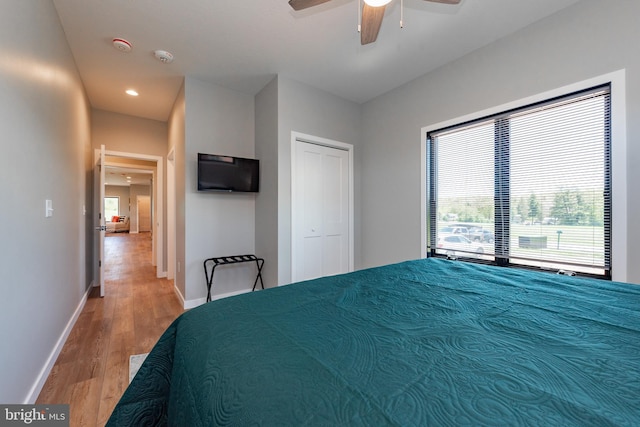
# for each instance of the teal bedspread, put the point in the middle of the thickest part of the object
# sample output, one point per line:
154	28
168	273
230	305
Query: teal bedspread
422	343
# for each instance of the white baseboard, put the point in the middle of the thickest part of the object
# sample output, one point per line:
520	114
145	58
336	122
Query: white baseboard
53	356
178	294
193	303
229	294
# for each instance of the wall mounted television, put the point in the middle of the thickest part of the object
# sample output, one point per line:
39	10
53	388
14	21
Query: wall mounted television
227	173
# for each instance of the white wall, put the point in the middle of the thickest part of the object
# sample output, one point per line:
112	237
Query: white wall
45	119
217	121
589	39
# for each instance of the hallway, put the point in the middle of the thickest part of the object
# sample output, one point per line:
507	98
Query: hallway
92	370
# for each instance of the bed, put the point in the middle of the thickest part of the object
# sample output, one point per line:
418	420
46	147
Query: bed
419	343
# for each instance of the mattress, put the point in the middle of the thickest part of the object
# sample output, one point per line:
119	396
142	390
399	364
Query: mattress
425	342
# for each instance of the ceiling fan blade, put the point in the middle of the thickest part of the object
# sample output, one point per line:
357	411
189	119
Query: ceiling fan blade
371	22
303	4
445	1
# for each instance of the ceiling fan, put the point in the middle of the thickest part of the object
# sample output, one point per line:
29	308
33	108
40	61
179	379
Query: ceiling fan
372	14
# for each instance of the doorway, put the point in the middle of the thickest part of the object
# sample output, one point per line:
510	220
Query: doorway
153	166
322	207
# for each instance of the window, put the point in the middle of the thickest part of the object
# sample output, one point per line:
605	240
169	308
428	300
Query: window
111	207
529	187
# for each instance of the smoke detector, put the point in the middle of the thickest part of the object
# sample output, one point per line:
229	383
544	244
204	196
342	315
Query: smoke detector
122	45
163	56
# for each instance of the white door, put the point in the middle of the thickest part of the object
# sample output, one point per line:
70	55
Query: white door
321	211
99	220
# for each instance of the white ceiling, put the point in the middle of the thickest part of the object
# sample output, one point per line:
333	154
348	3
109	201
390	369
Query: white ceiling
242	45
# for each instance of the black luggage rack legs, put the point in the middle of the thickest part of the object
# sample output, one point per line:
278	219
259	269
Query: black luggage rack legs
226	260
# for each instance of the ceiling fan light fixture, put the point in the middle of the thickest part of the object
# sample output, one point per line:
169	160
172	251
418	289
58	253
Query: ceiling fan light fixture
377	3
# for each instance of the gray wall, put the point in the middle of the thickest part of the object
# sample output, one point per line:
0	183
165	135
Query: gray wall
589	39
221	121
266	116
46	154
303	109
217	121
129	134
307	110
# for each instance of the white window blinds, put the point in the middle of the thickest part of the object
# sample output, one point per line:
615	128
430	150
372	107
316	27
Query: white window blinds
529	186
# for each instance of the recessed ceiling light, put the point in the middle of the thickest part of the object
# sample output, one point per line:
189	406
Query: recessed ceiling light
131	92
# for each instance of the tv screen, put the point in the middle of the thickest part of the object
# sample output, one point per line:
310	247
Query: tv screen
226	173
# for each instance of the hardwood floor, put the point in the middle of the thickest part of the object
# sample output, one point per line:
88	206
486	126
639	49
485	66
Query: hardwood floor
92	370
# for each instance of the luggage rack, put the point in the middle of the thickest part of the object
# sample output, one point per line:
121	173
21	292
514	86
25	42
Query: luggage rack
233	259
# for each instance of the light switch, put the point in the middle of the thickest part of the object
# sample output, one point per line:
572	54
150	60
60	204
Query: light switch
48	208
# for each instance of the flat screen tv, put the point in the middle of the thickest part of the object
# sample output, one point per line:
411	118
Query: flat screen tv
226	173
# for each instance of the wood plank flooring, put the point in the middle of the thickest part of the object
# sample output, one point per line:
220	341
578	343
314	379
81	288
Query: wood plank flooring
92	370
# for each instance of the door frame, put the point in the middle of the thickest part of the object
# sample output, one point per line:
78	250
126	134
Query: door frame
157	225
316	140
171	214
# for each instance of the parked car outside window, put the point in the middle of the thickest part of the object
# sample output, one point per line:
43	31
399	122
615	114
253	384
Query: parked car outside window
457	245
482	235
454	230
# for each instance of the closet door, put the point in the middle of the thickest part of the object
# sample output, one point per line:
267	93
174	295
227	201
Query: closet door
321	211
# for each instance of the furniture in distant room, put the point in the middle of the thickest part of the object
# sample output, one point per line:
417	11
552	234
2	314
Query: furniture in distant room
118	224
